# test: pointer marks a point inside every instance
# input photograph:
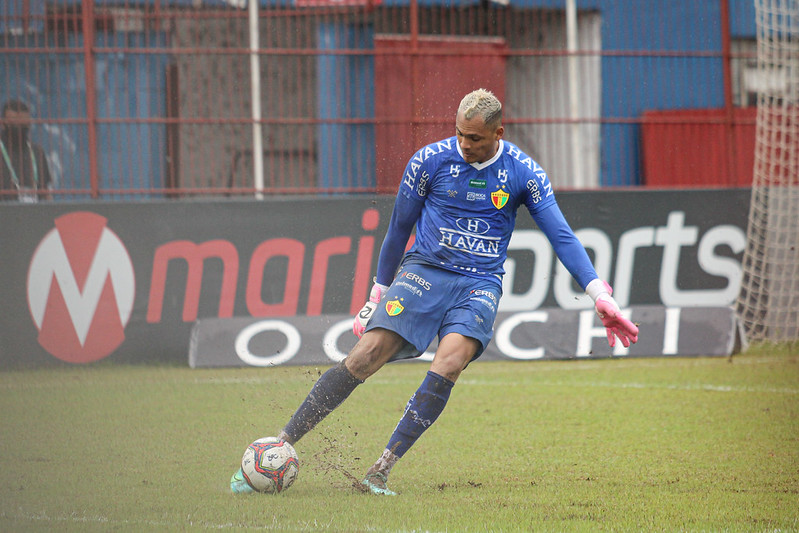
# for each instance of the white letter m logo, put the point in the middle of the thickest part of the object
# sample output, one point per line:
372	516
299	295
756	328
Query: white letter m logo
81	255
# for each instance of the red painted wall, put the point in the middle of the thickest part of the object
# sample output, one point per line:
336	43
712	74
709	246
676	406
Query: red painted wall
428	87
688	148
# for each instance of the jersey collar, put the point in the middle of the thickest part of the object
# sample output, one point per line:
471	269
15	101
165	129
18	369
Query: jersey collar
484	164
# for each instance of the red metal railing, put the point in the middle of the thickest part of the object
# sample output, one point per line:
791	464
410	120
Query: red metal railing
152	99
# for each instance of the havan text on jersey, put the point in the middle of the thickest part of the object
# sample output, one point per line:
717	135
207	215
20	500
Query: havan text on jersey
470	238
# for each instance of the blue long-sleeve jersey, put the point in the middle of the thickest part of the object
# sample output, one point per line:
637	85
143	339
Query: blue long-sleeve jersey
465	213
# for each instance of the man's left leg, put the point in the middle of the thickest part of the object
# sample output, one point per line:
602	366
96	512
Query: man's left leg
453	354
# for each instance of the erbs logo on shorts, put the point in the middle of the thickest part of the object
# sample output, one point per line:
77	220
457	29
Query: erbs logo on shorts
481	292
419	280
81	288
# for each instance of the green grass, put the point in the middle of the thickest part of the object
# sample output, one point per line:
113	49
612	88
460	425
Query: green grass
705	444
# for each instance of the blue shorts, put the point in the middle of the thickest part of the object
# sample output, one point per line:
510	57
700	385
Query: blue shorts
425	301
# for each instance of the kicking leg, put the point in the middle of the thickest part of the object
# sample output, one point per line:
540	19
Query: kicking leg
334	386
330	390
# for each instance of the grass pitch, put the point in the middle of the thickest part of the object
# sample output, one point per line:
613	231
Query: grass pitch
705	444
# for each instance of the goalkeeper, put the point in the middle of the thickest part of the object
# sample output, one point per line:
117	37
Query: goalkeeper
462	195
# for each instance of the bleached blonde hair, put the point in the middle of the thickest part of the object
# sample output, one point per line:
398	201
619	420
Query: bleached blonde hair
484	104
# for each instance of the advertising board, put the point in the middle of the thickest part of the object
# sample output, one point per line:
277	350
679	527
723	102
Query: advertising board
127	281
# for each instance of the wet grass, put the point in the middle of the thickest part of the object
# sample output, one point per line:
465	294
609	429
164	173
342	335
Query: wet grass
700	444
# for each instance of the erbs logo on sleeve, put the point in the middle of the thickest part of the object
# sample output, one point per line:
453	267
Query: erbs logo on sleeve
81	288
421	187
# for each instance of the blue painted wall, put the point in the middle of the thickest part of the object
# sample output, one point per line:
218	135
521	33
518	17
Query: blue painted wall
346	152
632	85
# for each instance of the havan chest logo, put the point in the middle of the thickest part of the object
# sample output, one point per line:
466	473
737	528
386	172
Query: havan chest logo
81	288
470	236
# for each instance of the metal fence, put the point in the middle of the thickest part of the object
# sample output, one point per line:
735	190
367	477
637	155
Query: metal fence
176	99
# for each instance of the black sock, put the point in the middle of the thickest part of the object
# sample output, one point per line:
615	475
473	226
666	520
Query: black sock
332	388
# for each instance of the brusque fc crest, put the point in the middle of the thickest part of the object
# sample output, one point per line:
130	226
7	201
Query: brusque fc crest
499	198
394	307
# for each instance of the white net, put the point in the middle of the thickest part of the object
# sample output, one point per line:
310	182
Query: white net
768	304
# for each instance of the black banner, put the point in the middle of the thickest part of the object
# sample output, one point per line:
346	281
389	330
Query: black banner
127	281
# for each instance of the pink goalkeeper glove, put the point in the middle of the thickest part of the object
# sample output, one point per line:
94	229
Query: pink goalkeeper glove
608	311
366	312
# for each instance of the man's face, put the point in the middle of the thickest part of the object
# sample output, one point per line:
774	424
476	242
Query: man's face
17	123
478	142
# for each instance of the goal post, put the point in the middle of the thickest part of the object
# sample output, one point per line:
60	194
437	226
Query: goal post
768	303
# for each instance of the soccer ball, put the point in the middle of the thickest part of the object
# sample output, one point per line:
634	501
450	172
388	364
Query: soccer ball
270	465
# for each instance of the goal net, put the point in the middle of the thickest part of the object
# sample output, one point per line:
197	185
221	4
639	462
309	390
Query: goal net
768	303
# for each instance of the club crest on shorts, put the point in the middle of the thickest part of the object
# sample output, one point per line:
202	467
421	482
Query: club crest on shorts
499	198
394	307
